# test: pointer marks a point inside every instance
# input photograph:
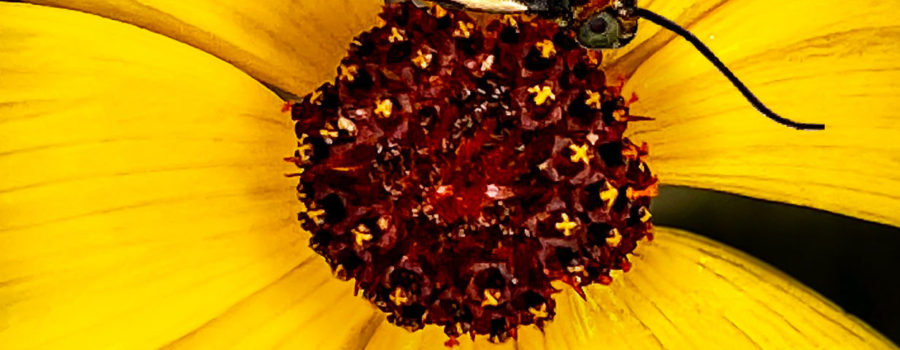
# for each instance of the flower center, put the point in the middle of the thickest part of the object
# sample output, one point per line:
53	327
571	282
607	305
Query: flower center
455	170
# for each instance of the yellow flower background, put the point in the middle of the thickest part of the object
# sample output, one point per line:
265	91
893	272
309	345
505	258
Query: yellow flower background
142	201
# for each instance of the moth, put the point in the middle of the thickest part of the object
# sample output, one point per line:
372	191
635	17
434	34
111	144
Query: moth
610	24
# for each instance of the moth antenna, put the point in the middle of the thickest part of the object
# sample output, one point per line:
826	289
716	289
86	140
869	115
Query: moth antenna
691	38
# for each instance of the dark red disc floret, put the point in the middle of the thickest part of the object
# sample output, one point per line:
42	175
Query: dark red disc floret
456	167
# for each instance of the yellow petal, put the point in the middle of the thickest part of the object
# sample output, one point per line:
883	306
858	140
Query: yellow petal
290	44
811	61
307	308
142	193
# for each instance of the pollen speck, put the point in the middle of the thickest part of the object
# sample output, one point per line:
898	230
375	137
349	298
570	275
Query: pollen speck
491	297
316	215
422	60
347	125
383	223
304	150
463	30
609	195
614	238
541	94
315	96
383	108
347	73
362	234
579	153
399	296
566	226
396	35
645	214
650	191
547	48
594	99
328	133
594	57
509	20
438	11
539	312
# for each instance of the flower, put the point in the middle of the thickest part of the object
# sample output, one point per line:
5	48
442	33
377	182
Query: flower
143	201
490	179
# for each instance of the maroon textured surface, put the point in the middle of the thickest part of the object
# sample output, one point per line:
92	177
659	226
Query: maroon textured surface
460	200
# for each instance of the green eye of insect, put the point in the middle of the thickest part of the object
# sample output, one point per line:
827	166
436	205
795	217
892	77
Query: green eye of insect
601	31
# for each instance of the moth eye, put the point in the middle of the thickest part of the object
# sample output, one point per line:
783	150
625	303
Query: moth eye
601	31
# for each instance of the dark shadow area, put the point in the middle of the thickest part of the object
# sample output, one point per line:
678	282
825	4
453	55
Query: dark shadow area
852	262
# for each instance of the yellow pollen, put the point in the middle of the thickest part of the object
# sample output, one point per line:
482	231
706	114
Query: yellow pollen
509	20
383	223
650	191
399	296
491	297
547	49
609	195
646	216
304	149
315	96
346	124
463	30
459	329
566	226
539	312
396	35
615	238
328	133
574	269
580	153
541	94
619	114
316	215
383	108
438	11
422	60
593	57
340	271
362	234
348	73
593	99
